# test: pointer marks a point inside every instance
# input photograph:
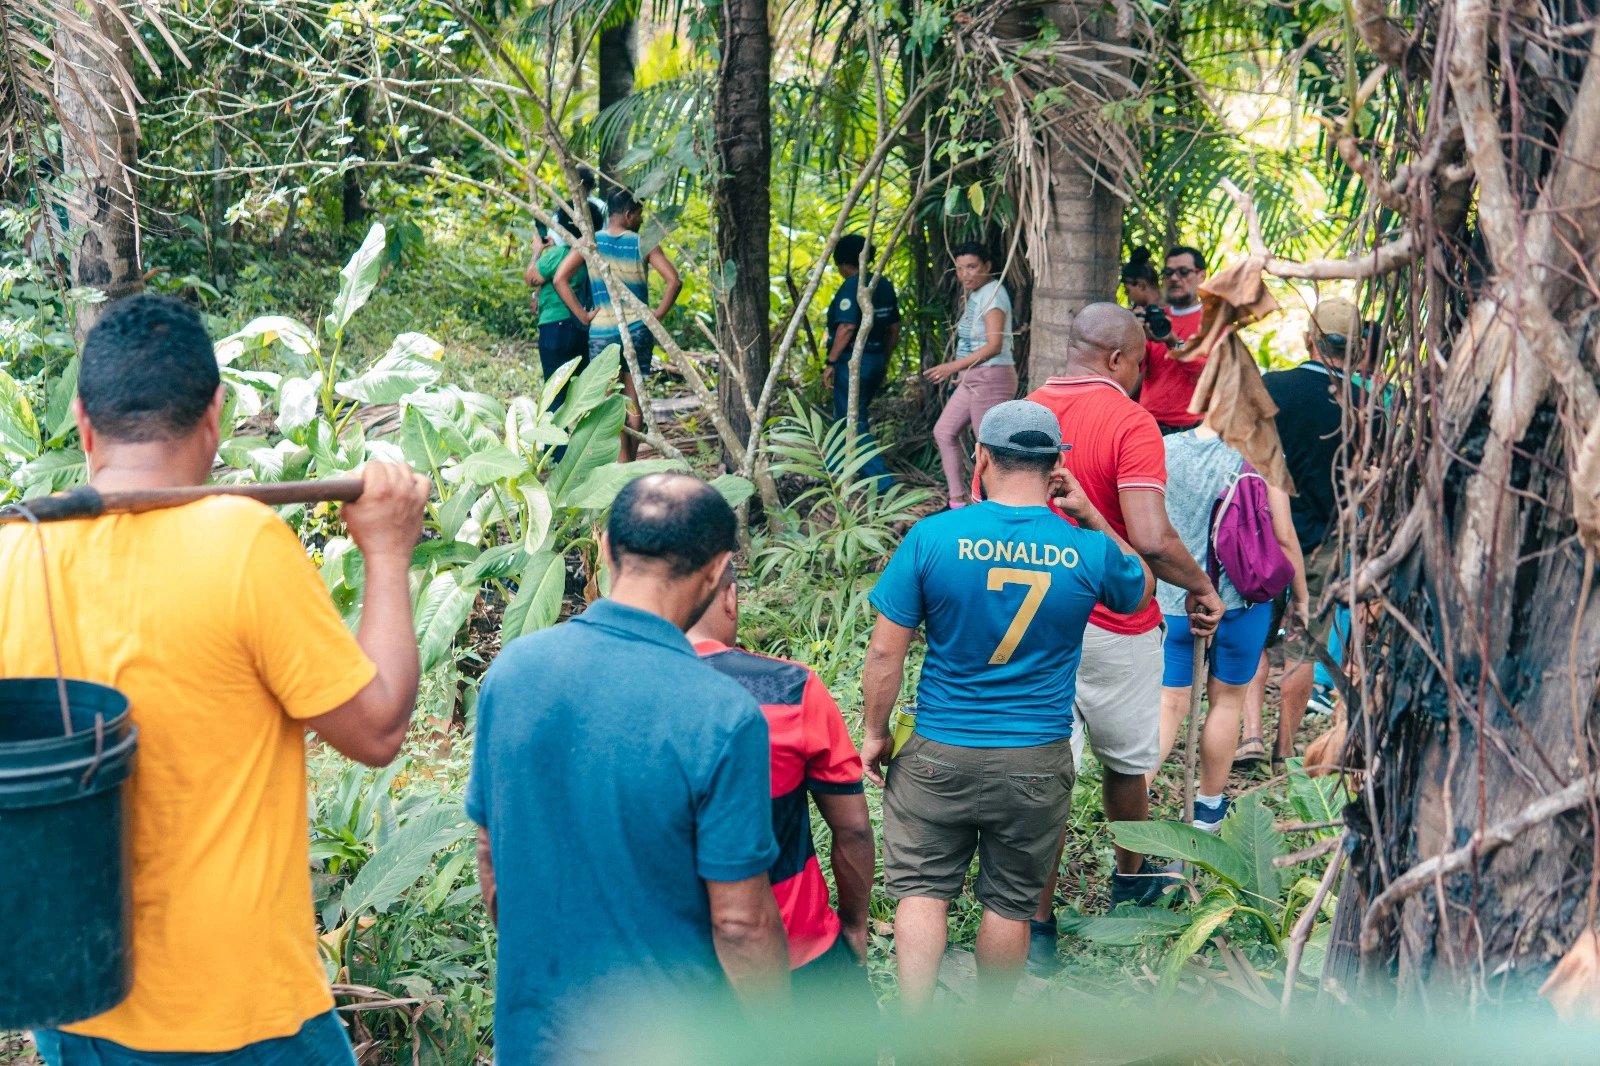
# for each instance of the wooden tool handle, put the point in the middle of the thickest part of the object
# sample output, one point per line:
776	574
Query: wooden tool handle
88	502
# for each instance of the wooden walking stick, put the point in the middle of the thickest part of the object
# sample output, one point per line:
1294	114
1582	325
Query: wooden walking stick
1191	748
86	501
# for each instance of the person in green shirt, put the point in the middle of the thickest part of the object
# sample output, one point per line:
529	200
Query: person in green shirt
563	337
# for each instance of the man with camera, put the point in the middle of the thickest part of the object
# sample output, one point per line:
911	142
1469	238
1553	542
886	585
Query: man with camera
1170	378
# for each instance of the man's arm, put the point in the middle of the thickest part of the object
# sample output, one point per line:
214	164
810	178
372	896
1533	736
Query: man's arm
1151	534
669	275
748	934
853	857
1067	494
385	523
563	283
486	875
881	677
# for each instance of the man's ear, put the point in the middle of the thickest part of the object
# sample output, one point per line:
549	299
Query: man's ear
85	430
213	415
605	553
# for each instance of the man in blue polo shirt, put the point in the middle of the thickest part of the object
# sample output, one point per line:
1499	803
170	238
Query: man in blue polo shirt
621	787
1003	589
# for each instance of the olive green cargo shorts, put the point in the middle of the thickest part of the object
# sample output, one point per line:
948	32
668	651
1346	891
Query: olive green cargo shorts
943	803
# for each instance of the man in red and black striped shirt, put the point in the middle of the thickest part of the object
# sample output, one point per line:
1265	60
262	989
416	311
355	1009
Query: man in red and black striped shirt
812	753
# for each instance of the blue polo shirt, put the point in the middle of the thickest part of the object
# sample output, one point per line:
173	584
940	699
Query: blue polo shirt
616	773
1004	594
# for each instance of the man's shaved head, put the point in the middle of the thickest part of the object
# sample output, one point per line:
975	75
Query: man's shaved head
1107	340
1105	326
673	519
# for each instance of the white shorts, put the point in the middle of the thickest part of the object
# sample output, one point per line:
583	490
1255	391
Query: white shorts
1119	700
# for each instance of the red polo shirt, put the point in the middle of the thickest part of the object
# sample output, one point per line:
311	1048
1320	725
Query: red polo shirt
811	752
1116	447
1169	384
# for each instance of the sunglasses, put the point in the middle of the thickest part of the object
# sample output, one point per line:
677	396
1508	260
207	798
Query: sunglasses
1178	272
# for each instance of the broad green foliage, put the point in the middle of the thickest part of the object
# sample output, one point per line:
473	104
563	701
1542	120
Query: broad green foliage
1248	885
507	509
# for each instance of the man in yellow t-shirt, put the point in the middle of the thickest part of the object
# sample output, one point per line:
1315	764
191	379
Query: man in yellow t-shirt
213	622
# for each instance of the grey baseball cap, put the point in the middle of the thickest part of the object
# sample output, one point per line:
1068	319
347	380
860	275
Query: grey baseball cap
1022	426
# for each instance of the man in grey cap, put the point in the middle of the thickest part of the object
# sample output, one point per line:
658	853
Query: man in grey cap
1003	590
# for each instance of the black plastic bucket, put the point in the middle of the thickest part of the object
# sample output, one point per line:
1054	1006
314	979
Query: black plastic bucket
64	897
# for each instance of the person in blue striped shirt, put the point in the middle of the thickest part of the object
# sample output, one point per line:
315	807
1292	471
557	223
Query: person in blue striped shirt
629	265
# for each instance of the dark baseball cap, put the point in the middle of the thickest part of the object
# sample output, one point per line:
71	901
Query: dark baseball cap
1022	426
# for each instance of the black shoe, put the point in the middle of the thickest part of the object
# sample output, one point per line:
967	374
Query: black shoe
1042	961
1142	889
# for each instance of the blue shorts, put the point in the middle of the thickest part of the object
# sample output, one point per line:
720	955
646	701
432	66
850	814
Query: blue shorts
320	1042
1235	647
644	346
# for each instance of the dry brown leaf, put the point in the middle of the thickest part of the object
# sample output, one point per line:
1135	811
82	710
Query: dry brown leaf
1573	987
1323	755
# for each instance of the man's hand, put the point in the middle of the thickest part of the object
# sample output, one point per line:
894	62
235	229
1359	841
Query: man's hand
875	753
1205	612
855	935
1067	494
941	373
387	519
827	374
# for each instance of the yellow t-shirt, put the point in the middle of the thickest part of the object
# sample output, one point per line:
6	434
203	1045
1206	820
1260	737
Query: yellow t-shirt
213	622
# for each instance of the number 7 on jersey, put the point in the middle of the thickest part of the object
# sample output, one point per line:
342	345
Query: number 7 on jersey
1038	582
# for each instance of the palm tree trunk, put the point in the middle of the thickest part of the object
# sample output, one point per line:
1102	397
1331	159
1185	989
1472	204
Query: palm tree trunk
743	201
616	79
99	139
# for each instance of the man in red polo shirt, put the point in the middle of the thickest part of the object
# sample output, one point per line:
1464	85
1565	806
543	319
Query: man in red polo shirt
811	753
1117	456
1169	383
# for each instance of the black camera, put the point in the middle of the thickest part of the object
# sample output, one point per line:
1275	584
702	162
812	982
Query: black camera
1156	321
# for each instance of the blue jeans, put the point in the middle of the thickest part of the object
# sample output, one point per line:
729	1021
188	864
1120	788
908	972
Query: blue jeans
874	368
320	1042
644	346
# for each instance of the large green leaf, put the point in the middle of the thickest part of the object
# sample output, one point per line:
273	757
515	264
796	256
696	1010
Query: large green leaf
297	406
1126	927
444	608
424	446
1316	799
502	560
553	385
598	380
536	515
600	487
1179	841
357	280
261	333
537	603
1210	917
734	488
51	472
1248	828
408	365
58	407
404	858
488	465
19	430
594	444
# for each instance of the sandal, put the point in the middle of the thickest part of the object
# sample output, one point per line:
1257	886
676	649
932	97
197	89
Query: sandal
1250	752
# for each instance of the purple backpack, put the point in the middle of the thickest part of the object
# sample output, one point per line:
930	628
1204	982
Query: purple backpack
1242	542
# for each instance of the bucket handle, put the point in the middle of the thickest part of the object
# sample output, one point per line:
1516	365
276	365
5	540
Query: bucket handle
25	512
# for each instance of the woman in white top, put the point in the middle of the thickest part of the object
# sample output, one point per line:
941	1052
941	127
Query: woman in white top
983	359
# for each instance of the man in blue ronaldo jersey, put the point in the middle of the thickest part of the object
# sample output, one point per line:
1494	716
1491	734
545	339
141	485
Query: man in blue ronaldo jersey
1003	589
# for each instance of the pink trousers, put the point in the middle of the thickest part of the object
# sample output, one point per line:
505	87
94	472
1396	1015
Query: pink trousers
978	390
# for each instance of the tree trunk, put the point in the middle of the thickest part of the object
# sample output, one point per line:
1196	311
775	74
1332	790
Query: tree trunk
744	203
1476	677
616	80
354	193
99	146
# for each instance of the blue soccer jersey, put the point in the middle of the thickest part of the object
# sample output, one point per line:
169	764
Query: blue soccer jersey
1004	594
